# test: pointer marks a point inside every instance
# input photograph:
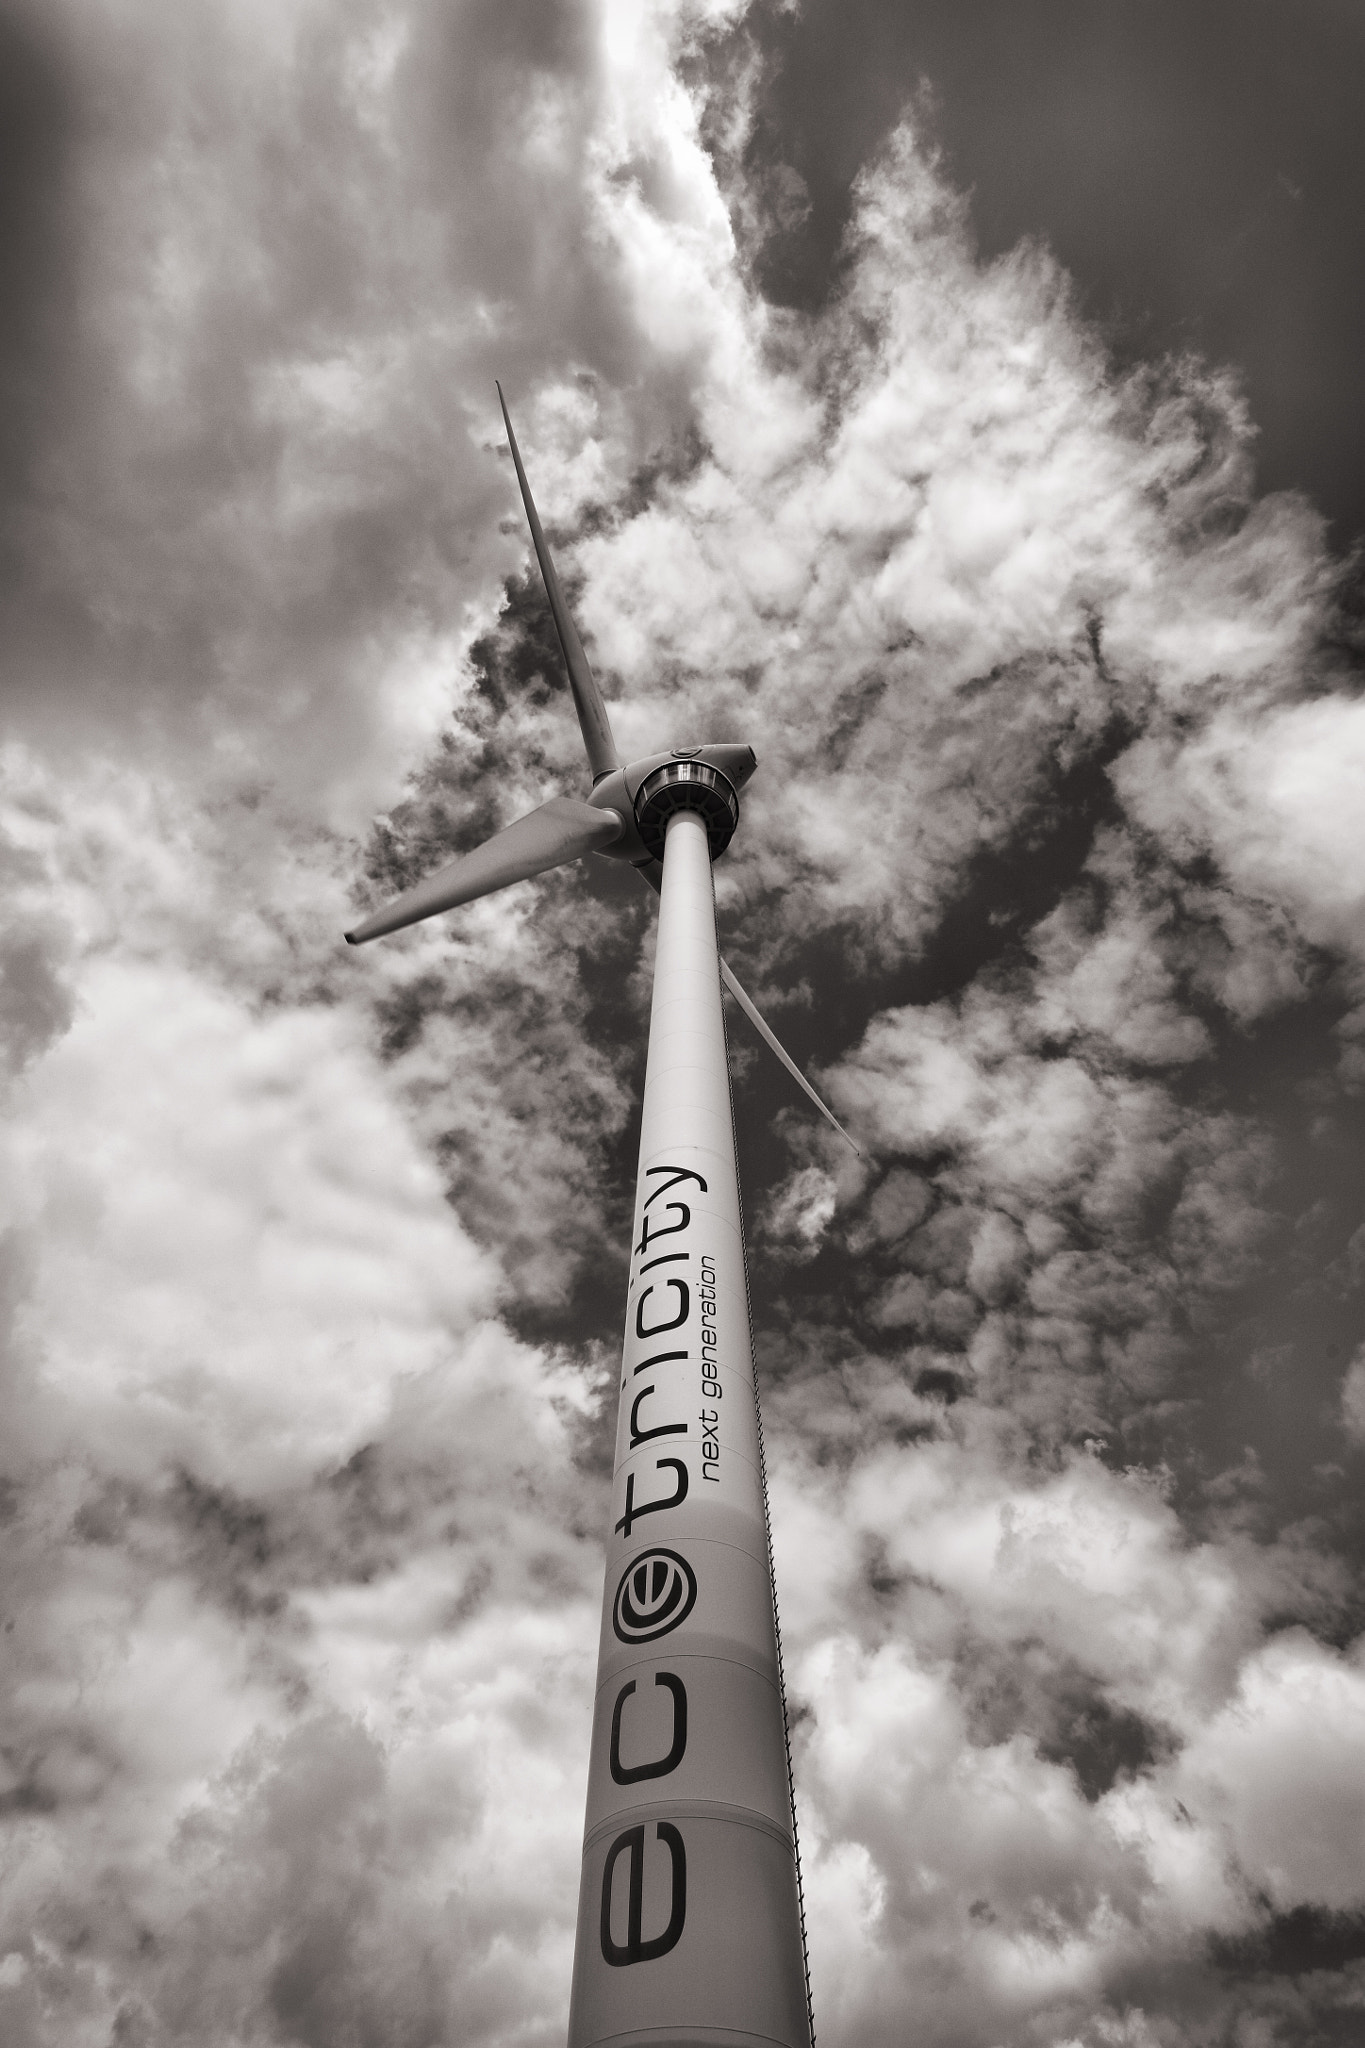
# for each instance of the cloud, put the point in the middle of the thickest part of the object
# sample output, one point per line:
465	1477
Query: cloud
271	1459
235	536
1273	799
1353	1400
1282	1762
1031	1731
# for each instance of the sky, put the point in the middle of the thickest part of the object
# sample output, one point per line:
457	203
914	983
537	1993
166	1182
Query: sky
957	405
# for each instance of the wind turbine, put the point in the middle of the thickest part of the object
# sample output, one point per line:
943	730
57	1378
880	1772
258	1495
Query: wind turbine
691	1922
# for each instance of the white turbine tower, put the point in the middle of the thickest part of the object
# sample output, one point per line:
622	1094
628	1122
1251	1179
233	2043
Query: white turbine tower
690	1921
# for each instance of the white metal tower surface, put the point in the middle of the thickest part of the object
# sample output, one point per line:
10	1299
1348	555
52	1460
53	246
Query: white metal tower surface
690	1925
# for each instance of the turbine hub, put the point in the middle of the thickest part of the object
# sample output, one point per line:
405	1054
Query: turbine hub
686	785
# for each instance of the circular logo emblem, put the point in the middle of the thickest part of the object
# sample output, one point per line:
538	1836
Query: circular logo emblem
656	1592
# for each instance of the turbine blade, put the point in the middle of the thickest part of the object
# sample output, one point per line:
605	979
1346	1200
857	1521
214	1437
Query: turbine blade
770	1040
592	712
560	831
652	871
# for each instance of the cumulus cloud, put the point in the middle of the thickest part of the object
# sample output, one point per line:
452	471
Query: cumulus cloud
1272	797
311	1261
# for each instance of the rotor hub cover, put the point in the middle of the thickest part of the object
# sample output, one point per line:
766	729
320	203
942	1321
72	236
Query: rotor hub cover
686	786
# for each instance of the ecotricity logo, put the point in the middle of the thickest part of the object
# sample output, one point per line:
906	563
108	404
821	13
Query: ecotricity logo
656	1593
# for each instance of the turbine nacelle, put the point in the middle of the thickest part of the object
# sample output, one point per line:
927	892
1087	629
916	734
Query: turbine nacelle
646	793
626	817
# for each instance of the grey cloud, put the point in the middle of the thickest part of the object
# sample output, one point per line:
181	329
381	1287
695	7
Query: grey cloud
294	258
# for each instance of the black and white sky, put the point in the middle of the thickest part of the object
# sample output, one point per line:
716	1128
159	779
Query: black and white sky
958	402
